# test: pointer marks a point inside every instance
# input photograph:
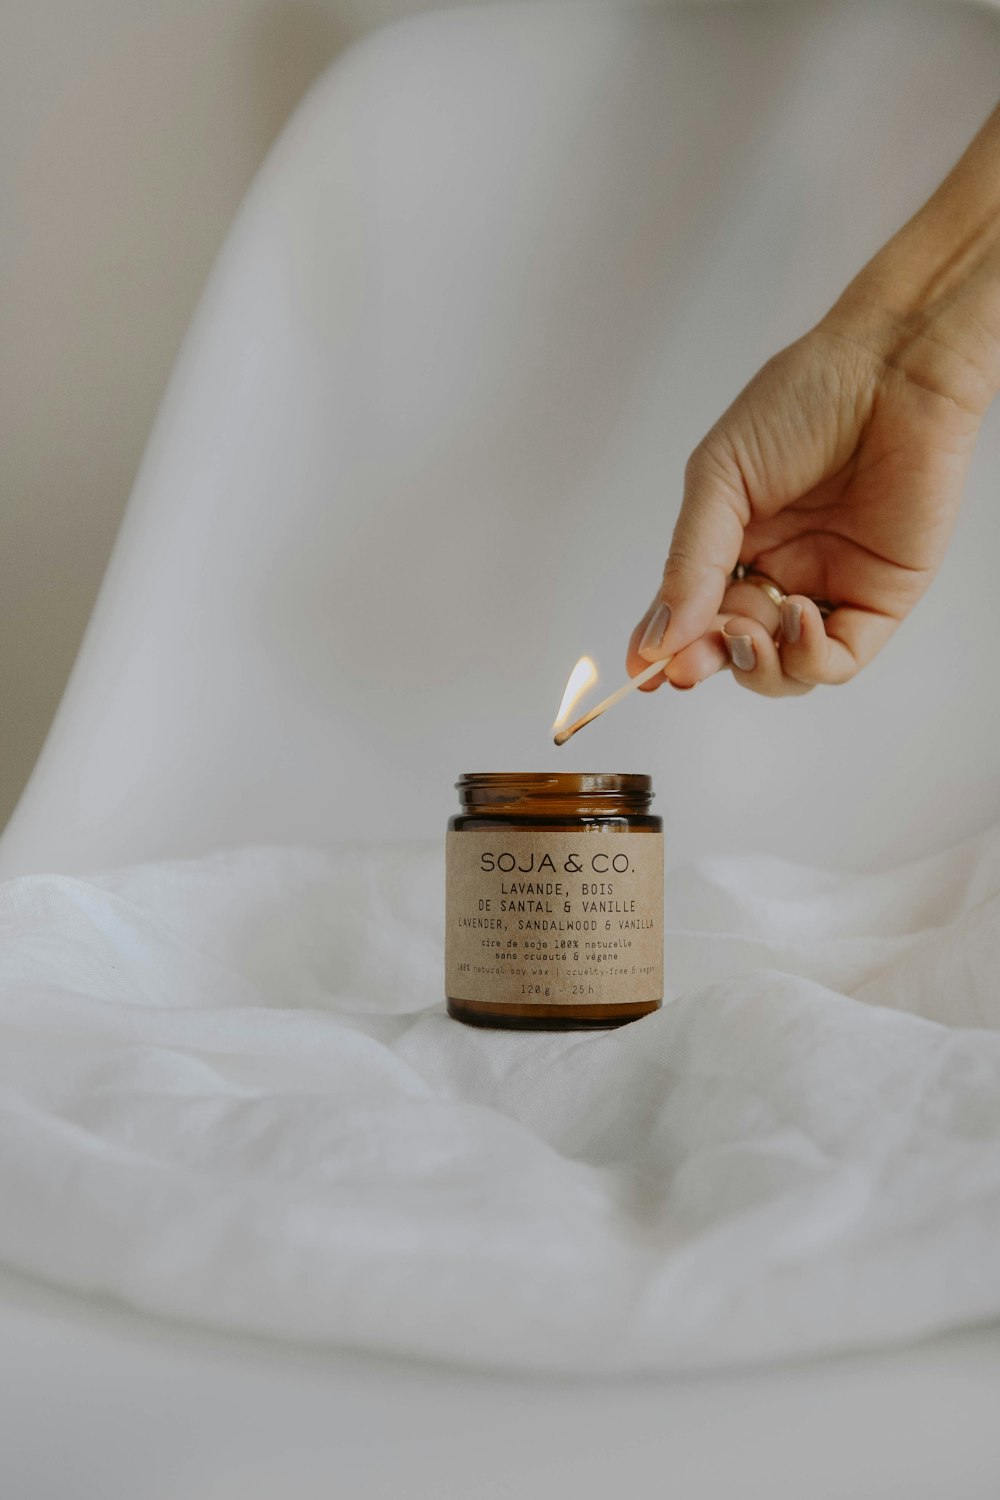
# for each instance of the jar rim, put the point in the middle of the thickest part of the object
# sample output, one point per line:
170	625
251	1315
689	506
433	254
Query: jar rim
582	793
559	783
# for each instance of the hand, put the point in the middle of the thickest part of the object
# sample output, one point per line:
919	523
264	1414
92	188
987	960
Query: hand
838	473
838	470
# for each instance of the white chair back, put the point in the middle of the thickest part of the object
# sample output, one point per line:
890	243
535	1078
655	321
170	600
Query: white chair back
425	441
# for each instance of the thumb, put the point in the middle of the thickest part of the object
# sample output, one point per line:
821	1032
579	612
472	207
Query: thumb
703	553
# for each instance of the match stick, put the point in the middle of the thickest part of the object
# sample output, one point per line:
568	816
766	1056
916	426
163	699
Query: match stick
562	735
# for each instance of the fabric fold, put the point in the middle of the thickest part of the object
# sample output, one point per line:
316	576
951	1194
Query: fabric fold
229	1094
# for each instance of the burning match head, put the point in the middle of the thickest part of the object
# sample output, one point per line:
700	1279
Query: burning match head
567	731
562	735
582	678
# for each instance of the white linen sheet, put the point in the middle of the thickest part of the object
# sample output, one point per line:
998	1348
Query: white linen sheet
229	1094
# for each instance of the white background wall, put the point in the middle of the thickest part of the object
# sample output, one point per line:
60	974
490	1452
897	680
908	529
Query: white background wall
129	131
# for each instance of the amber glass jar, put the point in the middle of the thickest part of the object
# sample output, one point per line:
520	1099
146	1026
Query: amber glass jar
554	910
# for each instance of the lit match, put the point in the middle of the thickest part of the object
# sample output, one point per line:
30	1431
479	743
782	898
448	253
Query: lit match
583	675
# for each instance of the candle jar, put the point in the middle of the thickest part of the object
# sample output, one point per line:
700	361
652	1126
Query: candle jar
554	907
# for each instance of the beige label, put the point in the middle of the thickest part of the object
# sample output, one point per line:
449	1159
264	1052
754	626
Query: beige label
554	918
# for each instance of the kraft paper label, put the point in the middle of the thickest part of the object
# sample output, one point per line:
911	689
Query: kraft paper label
536	918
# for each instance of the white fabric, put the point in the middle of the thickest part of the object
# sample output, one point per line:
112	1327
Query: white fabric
229	1093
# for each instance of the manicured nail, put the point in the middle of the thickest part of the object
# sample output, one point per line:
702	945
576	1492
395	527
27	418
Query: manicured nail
741	652
652	636
791	621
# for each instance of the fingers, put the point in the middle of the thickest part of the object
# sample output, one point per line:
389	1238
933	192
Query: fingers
704	550
756	661
817	651
703	658
711	652
634	663
807	652
703	619
776	653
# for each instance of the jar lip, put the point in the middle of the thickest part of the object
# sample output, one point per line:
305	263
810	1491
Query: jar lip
583	793
559	783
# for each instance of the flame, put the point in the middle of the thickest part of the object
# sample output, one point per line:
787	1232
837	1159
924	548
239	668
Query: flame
581	680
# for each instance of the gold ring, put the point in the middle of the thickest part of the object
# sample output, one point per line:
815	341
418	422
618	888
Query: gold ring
746	573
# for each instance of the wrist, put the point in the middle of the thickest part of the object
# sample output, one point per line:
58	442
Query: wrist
931	315
929	302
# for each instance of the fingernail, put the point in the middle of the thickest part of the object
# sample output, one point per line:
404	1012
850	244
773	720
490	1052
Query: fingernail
741	651
791	620
652	636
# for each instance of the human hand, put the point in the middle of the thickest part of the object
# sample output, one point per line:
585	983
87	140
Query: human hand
836	474
838	471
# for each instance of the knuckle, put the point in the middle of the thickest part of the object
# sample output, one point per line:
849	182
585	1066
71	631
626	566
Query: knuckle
707	466
685	565
695	466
